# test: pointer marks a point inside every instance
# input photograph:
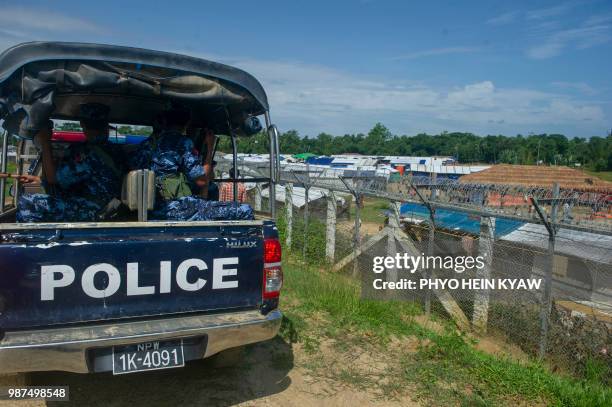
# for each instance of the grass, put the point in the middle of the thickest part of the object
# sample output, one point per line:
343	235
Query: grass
446	369
492	380
605	175
314	243
339	298
373	210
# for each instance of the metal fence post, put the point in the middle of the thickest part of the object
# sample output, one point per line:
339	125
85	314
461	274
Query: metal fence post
3	168
258	197
357	236
330	238
547	295
480	314
289	213
434	180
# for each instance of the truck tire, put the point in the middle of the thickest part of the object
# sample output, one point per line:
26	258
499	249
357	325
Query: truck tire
14	379
229	357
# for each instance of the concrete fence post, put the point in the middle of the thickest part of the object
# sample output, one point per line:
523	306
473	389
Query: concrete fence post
394	224
432	240
330	237
289	213
430	253
548	277
306	221
480	314
432	234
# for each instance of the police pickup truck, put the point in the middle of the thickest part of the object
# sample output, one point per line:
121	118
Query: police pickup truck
131	294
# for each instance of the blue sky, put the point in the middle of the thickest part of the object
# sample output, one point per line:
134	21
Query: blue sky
340	67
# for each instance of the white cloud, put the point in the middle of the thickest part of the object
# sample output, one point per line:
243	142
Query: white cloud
44	20
19	24
502	19
545	29
314	99
549	12
537	14
599	19
578	38
581	87
546	50
437	52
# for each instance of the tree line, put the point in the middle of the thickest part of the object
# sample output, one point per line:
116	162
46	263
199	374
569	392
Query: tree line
554	149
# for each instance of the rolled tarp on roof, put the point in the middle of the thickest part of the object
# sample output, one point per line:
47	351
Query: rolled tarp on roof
39	80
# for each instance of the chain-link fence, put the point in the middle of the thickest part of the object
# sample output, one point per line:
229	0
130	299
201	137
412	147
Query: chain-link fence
558	240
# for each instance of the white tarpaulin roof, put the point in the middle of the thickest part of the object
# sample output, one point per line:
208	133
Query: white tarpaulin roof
299	195
590	246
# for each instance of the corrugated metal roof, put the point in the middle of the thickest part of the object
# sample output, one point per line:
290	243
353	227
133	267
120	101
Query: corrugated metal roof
299	195
585	245
543	176
590	246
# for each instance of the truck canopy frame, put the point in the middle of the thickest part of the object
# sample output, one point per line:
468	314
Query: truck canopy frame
39	80
42	80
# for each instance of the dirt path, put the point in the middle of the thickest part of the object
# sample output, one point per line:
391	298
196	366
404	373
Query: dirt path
273	373
347	370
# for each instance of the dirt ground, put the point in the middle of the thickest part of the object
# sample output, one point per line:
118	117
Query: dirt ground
273	373
314	371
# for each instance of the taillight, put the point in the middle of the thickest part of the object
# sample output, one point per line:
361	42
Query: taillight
272	272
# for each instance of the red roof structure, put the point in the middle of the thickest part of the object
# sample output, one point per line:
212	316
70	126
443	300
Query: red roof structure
543	176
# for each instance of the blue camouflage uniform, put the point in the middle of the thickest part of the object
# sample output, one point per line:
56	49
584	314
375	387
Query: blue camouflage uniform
193	208
171	154
87	180
168	154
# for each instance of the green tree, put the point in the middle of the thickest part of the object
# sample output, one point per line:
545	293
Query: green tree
595	153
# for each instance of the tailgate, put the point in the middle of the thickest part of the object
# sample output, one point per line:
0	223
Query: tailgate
60	276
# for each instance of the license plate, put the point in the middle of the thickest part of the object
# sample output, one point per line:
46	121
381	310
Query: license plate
148	356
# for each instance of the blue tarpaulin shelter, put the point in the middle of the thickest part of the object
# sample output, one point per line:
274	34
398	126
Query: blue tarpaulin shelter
319	160
455	220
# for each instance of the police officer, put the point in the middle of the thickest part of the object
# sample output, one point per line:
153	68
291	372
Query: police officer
85	183
179	172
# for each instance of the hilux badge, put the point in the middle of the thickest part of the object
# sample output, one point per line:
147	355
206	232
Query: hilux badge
240	245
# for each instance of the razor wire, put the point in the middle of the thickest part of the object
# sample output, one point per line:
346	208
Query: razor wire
588	211
583	210
578	332
579	324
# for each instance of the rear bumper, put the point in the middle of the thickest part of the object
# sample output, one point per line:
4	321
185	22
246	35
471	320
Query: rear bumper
68	349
